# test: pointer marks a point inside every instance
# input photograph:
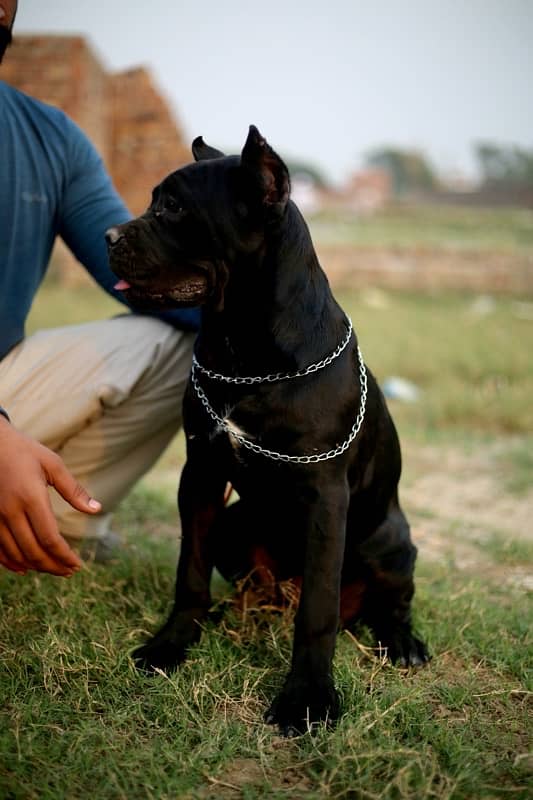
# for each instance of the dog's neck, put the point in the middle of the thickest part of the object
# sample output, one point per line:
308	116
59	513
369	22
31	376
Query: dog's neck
278	310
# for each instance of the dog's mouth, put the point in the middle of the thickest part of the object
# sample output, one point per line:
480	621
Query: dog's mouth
189	293
149	285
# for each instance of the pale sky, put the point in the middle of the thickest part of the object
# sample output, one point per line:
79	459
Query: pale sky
324	80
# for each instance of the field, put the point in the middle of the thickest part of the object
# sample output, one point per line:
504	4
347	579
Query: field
77	720
446	227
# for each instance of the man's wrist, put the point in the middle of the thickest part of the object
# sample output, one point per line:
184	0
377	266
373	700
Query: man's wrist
3	413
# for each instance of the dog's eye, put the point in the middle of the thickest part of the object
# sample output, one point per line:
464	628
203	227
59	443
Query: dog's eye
172	205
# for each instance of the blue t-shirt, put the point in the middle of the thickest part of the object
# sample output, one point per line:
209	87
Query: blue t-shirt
52	183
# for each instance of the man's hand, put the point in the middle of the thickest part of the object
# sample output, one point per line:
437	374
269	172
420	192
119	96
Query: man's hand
29	536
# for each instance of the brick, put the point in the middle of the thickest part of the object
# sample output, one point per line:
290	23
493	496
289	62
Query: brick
124	114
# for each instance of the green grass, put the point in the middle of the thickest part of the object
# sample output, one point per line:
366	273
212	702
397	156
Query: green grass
519	462
77	720
57	305
508	551
430	226
475	371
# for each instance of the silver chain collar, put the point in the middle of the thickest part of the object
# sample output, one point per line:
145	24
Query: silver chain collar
277	376
313	458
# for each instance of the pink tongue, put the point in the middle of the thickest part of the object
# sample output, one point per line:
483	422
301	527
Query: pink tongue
121	285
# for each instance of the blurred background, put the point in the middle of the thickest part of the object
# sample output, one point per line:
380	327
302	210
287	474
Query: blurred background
337	87
407	127
408	130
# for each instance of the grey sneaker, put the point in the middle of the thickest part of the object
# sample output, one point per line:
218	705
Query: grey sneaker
102	550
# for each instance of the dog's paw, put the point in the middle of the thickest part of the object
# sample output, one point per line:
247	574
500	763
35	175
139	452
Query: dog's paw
155	655
302	703
167	649
404	649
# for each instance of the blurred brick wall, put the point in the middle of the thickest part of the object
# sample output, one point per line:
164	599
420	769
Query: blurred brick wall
124	115
146	143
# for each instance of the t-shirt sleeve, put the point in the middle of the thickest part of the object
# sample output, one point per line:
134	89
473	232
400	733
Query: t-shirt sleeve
90	205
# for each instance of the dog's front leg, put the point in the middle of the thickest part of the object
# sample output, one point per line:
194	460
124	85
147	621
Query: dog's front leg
309	695
201	499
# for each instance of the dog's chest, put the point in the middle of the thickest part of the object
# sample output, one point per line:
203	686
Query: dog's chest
238	415
234	432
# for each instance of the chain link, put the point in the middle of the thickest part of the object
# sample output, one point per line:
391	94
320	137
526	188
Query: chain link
277	376
313	458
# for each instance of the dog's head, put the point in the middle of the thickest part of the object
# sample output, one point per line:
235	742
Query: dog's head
202	220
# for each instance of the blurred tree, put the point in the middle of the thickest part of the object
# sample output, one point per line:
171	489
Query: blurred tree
302	168
505	166
409	169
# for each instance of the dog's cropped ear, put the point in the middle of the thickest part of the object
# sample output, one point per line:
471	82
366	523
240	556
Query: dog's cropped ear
202	152
271	174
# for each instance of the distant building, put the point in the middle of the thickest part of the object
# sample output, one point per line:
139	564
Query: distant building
367	191
305	193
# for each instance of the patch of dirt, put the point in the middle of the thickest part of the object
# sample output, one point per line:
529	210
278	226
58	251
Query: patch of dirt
457	503
427	268
250	772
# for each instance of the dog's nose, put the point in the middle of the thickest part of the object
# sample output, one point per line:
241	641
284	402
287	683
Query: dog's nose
112	236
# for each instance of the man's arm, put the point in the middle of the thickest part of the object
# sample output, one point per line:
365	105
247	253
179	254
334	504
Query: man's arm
89	207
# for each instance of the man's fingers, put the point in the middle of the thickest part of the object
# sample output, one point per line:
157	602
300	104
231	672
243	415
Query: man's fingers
34	555
44	526
10	554
12	567
29	536
68	487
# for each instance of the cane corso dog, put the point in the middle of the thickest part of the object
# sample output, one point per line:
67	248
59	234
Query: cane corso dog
281	406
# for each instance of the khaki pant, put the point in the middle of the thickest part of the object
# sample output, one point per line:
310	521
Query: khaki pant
106	396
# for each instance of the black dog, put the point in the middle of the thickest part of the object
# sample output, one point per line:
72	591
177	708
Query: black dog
281	406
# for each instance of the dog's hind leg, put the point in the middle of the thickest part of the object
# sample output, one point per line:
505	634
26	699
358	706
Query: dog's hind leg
389	558
245	555
232	541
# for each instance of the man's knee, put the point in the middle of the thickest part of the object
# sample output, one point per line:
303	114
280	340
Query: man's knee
167	356
132	367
